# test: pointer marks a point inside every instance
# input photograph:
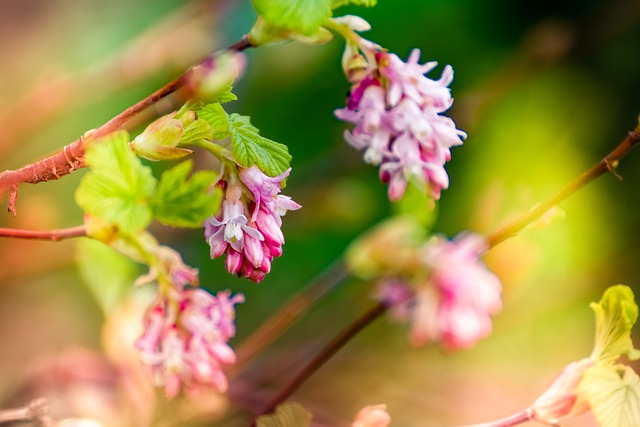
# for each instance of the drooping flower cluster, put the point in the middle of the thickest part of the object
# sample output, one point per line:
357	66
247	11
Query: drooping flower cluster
248	228
185	340
400	127
456	300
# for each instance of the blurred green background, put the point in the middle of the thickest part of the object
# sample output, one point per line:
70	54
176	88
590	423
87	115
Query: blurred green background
544	90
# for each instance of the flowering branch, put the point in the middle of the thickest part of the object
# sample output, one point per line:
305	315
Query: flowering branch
53	235
36	413
607	164
72	156
327	352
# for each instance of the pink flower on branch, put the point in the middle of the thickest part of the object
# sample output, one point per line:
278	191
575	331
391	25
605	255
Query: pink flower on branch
454	300
397	111
185	340
248	231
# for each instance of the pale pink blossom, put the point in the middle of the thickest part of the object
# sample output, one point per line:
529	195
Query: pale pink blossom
454	299
397	111
185	340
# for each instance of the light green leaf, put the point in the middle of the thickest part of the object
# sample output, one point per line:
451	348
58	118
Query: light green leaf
290	415
118	187
214	115
367	3
613	392
196	131
108	275
183	202
616	314
250	148
225	95
300	16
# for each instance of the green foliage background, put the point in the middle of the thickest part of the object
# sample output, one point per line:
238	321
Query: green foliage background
544	91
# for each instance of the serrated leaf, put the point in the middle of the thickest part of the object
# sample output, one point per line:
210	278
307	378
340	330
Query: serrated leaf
214	115
196	131
290	415
250	148
185	202
118	187
225	95
613	392
616	314
107	274
366	3
301	16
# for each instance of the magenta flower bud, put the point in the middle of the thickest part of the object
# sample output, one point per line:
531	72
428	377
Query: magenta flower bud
234	261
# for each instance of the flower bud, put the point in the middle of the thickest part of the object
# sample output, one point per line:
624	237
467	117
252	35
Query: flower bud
160	139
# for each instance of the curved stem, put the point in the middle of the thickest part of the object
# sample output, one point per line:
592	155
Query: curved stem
510	421
292	310
53	235
607	164
71	157
327	352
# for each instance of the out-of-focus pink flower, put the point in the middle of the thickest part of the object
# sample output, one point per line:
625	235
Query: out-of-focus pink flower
372	416
249	229
561	398
397	111
185	340
454	303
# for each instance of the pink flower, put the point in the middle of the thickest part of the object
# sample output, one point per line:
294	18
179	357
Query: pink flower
397	112
185	340
455	302
249	229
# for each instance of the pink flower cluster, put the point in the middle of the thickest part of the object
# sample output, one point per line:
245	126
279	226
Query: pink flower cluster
455	303
185	340
397	111
248	228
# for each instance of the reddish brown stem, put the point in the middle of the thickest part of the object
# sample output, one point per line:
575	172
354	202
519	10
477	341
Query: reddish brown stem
72	156
317	362
607	164
52	235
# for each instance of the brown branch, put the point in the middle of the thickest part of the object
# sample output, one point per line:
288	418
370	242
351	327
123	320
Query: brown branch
52	235
316	363
607	164
35	413
72	156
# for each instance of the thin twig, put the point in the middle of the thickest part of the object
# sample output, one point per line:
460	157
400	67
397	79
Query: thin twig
327	352
36	413
71	157
289	313
607	164
52	235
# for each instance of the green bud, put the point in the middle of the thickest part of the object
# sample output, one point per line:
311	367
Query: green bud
160	139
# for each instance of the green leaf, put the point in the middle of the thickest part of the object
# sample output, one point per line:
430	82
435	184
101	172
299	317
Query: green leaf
367	3
118	187
616	314
300	16
182	202
108	274
250	148
290	415
196	131
225	95
214	115
613	392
